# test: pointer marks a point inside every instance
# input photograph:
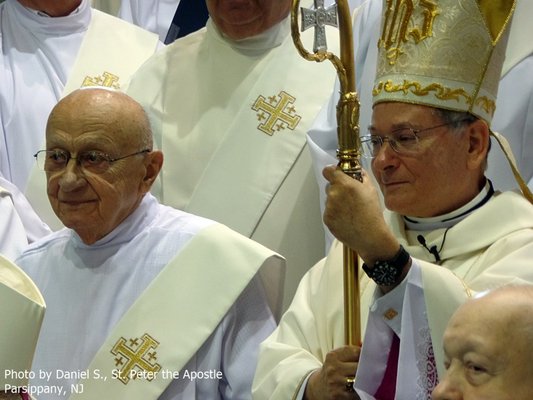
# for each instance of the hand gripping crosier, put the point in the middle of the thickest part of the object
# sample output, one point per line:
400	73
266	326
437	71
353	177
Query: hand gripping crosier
347	124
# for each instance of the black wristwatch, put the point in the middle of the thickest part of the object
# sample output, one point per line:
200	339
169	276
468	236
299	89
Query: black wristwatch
387	273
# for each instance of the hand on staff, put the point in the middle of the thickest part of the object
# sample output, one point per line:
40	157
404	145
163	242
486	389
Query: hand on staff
353	215
329	382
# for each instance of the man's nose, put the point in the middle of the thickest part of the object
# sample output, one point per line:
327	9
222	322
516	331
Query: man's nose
449	387
386	156
71	177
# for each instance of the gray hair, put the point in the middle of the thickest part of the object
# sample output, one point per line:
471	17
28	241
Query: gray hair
456	120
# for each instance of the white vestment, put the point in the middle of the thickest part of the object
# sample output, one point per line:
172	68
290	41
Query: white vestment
89	288
490	247
40	57
152	15
514	106
19	225
231	119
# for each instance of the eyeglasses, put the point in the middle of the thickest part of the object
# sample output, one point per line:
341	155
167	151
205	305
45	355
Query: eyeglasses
93	161
404	141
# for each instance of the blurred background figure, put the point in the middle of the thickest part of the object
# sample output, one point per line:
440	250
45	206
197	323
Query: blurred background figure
170	19
22	310
230	106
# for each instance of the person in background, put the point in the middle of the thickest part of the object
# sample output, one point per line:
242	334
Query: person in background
170	19
231	103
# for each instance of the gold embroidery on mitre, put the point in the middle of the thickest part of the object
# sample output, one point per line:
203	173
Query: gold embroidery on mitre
136	360
416	88
396	30
486	104
277	113
107	79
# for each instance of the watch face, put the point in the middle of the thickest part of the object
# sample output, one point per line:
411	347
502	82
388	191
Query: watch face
383	273
387	273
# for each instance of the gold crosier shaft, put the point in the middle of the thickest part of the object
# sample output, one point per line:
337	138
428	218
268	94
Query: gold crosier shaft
347	126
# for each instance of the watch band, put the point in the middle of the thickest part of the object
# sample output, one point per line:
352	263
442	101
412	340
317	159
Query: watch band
388	272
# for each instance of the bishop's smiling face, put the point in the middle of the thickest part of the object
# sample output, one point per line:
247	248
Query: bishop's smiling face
442	176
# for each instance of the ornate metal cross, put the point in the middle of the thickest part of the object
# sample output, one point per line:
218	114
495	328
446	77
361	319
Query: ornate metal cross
347	125
319	18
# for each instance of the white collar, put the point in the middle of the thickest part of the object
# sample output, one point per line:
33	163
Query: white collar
255	45
134	224
39	22
450	219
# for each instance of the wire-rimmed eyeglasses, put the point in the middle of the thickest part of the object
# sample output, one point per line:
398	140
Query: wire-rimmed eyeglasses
404	141
93	161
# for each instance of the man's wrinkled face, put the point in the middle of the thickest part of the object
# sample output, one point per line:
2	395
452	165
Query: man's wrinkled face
487	355
93	204
239	19
427	183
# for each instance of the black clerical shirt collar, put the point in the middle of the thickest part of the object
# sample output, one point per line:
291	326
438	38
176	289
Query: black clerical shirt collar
450	219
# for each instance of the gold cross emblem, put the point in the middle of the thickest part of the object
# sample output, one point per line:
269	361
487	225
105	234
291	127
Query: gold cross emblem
396	26
107	79
277	113
136	359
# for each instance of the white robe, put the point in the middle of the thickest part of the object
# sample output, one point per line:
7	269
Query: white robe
491	247
38	54
222	160
514	106
19	225
152	15
88	289
12	235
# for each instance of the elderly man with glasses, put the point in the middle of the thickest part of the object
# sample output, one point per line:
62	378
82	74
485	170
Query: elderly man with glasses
445	234
134	290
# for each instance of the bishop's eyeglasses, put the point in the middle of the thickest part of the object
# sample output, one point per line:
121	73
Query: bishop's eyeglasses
404	141
93	161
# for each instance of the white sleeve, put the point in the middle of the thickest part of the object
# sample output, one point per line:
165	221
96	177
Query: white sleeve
12	235
248	323
34	227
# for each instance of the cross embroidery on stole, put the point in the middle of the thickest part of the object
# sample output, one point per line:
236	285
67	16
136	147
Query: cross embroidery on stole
277	113
136	359
107	79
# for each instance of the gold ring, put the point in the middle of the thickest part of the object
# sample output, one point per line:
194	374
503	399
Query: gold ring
349	384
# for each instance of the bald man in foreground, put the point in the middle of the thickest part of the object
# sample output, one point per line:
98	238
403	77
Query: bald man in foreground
133	288
488	347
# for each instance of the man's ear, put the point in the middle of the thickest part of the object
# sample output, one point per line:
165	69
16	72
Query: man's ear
479	143
153	164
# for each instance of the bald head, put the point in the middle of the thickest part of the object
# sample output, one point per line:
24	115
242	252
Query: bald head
488	345
510	307
99	160
115	110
